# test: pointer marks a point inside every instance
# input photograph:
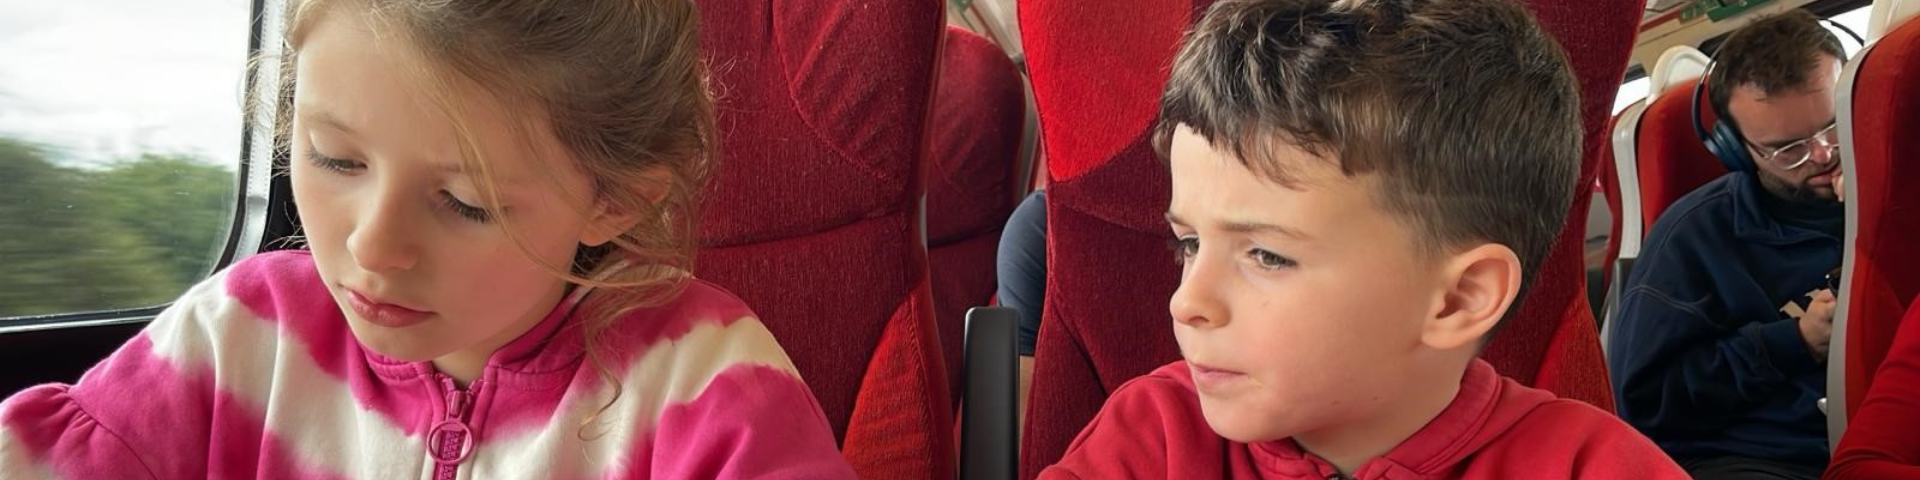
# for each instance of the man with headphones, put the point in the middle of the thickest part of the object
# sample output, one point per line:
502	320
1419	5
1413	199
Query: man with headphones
1720	349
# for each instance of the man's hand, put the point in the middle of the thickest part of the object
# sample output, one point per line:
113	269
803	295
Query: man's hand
1816	326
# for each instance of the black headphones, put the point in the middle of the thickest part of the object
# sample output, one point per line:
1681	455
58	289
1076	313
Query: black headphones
1723	138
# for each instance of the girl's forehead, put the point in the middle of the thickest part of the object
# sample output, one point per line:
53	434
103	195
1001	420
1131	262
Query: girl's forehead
350	89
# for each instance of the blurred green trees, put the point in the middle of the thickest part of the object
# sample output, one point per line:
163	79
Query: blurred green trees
134	233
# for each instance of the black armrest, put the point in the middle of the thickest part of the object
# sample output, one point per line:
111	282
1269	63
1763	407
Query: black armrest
988	439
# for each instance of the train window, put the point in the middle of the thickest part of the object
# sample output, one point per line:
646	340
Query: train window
1630	92
1855	20
120	150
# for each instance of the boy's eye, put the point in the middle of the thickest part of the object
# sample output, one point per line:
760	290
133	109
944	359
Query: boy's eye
1184	248
330	163
1269	260
465	210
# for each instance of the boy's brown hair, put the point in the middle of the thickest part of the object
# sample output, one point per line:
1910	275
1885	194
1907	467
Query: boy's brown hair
1774	53
1465	109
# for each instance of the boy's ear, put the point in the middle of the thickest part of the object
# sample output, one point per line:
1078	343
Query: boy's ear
608	220
1479	285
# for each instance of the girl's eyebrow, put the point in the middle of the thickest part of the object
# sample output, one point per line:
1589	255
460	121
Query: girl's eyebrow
323	118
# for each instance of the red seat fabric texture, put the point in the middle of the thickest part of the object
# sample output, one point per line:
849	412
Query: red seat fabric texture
1097	69
1879	442
813	216
1672	160
973	179
1886	165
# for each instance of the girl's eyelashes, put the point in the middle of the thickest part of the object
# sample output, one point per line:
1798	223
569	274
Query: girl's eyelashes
330	163
465	210
447	199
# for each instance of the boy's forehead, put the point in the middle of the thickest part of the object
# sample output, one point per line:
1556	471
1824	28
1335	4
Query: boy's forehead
1272	161
1212	187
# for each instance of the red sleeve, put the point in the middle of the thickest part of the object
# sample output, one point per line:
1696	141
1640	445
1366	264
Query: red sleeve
1616	450
1879	442
1129	437
1573	440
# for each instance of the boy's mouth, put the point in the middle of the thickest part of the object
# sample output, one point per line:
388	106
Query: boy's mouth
1211	378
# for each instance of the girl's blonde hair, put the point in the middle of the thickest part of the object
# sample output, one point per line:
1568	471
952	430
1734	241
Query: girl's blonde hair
620	84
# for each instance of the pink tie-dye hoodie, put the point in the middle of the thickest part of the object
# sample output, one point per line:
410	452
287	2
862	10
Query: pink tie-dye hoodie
254	374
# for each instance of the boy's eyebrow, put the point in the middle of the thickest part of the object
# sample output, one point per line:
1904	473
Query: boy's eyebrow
1247	226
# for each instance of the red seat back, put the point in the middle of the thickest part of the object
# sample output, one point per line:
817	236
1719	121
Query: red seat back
974	179
1672	160
1552	342
813	217
1097	70
1879	111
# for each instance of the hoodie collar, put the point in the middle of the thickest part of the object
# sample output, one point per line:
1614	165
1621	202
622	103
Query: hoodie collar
1761	218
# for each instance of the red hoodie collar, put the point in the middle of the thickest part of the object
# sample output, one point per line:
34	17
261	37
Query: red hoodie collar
1476	415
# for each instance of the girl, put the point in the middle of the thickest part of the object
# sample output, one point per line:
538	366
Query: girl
498	203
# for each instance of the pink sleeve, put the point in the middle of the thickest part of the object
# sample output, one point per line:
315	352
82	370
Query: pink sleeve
751	422
130	417
137	414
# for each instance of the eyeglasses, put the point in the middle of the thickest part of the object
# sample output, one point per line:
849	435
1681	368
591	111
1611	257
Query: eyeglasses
1793	155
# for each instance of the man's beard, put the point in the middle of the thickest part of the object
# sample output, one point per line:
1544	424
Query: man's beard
1797	192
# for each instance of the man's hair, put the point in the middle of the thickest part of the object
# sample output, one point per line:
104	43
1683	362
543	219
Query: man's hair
1774	54
1465	109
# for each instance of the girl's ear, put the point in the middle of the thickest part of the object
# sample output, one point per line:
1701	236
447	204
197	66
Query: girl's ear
609	220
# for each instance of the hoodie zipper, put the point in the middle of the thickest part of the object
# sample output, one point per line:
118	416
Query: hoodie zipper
450	442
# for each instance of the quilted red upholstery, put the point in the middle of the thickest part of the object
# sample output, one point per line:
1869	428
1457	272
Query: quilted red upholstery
1673	162
813	217
1885	273
973	179
1097	70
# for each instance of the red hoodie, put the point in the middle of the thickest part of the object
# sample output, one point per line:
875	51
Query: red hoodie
1495	429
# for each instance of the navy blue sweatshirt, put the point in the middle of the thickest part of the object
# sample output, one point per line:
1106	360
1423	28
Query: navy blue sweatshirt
1707	357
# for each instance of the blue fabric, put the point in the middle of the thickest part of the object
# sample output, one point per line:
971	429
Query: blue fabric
1023	266
1707	358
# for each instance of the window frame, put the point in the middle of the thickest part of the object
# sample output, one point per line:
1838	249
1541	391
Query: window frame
253	178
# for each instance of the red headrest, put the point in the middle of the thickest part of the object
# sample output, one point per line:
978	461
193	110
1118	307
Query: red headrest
1672	159
1552	342
978	118
813	216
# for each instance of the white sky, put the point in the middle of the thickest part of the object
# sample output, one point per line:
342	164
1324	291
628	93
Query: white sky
106	79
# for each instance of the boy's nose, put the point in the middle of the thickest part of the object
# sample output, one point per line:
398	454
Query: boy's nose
1195	303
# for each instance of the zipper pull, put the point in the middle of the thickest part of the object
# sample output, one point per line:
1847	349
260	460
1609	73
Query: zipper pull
451	441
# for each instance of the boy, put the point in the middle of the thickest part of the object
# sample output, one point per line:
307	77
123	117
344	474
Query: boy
1360	192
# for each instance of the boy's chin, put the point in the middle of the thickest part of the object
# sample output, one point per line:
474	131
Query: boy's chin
1236	424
